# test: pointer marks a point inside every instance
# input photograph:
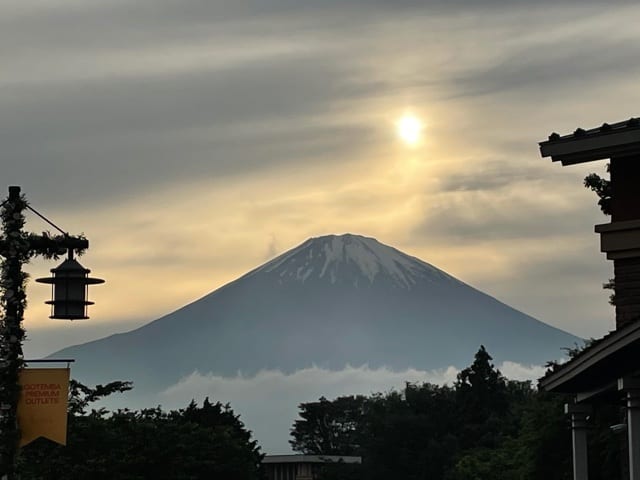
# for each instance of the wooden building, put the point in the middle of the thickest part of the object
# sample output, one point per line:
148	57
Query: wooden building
609	370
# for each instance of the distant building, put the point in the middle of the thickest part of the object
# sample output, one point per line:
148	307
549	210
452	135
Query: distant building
301	467
609	370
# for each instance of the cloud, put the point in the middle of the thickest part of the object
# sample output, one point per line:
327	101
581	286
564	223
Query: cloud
172	128
555	58
516	371
179	135
506	235
268	401
151	99
168	93
272	249
491	175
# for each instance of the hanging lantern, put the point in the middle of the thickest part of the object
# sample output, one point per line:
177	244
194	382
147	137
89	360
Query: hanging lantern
69	285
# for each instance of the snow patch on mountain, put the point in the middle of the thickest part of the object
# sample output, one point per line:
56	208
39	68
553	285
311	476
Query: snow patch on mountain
330	256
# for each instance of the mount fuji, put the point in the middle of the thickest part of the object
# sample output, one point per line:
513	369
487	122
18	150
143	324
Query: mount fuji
331	301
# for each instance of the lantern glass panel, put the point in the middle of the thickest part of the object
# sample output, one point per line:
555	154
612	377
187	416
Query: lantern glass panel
70	290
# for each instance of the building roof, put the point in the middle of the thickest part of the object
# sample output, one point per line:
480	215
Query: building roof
311	459
606	141
604	361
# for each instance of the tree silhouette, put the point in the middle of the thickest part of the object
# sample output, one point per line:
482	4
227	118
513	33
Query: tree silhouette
192	443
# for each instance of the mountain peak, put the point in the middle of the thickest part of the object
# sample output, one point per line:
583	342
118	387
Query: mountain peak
351	259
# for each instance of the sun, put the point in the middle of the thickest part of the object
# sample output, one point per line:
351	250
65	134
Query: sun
409	129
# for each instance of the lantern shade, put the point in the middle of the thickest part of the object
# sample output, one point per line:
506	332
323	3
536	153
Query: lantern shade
69	283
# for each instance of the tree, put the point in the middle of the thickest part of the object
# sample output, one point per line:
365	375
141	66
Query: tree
535	443
405	434
192	443
81	396
411	434
484	426
330	427
482	396
481	386
602	188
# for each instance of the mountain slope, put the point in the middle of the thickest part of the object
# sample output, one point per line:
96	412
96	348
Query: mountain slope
331	301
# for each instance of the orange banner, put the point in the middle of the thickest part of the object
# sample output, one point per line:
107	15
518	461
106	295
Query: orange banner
42	409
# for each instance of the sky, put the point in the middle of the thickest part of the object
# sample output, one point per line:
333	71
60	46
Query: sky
193	140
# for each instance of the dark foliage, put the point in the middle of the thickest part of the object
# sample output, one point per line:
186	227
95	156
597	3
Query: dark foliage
330	428
602	188
482	427
192	443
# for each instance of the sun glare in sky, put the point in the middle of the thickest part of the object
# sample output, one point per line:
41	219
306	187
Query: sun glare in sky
409	129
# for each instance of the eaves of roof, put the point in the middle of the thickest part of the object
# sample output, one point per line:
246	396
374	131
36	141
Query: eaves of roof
613	356
607	141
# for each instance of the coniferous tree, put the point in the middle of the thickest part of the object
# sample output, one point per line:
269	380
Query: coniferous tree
482	396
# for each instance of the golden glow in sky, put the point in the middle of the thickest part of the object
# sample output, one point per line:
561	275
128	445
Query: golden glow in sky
409	129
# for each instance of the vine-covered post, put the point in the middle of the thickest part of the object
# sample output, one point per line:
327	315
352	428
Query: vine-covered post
12	286
17	247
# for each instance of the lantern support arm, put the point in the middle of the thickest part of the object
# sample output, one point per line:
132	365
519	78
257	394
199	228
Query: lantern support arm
52	246
48	246
46	220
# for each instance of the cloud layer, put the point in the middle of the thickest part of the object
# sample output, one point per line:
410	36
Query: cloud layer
268	402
